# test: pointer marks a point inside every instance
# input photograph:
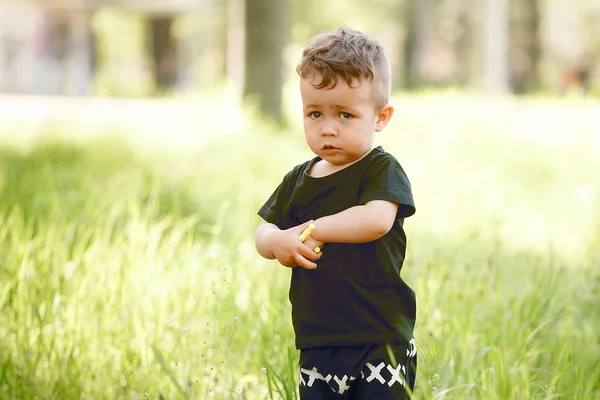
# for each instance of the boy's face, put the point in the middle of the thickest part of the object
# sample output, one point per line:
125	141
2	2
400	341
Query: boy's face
340	123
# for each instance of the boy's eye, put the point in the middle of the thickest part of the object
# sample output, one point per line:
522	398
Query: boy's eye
345	115
315	115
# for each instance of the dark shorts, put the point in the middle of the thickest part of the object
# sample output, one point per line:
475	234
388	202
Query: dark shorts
358	372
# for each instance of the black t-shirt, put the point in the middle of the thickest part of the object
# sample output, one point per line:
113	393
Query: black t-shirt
356	295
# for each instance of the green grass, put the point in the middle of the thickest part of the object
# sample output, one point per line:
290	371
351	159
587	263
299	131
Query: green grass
132	274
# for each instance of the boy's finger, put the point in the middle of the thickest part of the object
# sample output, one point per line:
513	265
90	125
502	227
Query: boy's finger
304	263
312	244
309	253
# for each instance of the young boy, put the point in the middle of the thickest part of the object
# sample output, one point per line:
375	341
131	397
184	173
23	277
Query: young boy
353	315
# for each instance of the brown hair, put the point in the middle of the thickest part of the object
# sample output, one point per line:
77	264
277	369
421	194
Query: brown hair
350	55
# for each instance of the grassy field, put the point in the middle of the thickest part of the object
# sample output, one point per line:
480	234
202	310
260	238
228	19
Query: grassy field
129	271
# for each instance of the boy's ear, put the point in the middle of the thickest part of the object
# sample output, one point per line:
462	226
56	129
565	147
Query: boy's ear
385	114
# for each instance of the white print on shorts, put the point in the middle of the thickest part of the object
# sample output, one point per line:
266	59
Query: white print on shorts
381	373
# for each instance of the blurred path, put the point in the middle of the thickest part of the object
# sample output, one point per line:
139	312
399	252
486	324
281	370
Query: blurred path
94	109
173	119
189	121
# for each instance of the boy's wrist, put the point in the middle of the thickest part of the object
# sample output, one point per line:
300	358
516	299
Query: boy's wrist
315	233
267	240
271	236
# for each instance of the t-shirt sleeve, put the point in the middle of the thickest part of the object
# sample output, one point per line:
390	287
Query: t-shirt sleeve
272	210
386	180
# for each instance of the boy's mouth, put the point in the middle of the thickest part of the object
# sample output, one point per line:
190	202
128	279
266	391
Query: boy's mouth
329	149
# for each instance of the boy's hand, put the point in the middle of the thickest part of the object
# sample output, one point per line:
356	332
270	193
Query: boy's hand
312	244
290	251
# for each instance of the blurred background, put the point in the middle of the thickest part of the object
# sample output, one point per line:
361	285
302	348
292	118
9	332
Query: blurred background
141	48
138	138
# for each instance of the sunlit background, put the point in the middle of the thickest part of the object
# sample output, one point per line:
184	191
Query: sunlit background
138	138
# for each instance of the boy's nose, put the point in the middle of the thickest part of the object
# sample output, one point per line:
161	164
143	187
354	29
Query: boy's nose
329	130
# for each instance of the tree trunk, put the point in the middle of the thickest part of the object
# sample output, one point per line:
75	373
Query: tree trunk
235	45
496	45
525	45
164	52
266	37
419	26
82	58
409	47
464	46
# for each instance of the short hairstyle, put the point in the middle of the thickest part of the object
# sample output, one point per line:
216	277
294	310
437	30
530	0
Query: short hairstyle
350	55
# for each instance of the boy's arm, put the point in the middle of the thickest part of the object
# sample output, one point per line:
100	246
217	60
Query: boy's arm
358	224
285	245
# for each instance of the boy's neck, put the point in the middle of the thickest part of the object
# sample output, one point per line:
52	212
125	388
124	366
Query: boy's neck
323	168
